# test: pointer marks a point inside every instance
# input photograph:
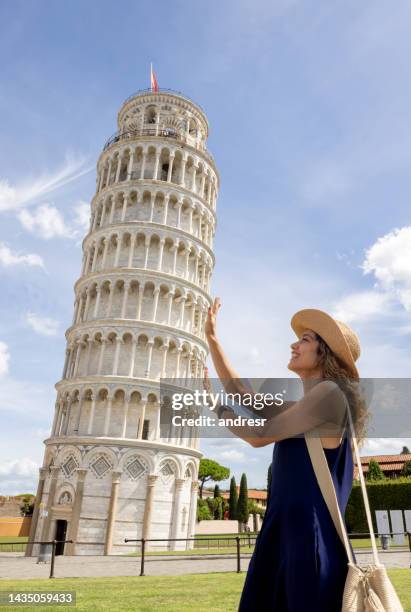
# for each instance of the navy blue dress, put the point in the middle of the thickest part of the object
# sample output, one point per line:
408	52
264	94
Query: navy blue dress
299	563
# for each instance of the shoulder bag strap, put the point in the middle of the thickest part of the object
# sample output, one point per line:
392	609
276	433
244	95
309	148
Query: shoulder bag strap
327	488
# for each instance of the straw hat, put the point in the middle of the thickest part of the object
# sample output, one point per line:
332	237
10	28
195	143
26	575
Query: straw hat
341	339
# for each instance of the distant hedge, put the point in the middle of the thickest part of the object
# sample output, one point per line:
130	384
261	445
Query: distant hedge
383	495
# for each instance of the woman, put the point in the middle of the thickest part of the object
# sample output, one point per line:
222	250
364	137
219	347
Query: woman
299	563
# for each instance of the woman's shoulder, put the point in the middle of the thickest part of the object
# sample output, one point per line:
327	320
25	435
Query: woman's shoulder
330	394
328	388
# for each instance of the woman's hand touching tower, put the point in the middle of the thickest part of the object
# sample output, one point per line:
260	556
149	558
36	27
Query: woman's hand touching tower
211	321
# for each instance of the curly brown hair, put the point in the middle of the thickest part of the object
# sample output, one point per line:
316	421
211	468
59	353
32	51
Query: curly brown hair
334	369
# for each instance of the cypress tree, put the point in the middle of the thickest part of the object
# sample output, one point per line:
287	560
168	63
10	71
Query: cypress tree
242	506
233	500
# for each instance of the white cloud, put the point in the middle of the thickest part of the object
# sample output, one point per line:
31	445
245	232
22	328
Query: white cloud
45	222
42	432
361	306
27	411
255	356
19	468
29	192
19	476
82	215
9	258
4	358
384	446
232	455
346	257
32	401
382	359
42	325
389	259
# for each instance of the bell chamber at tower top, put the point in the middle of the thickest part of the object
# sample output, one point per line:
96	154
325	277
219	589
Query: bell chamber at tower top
172	113
161	137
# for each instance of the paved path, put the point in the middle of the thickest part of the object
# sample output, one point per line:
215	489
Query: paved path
18	567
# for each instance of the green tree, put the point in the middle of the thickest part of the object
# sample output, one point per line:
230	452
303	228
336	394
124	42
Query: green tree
219	506
242	506
374	471
27	505
233	500
211	470
219	511
405	451
203	511
254	508
406	468
216	507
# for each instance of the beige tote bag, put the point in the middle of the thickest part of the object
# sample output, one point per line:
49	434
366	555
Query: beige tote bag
368	588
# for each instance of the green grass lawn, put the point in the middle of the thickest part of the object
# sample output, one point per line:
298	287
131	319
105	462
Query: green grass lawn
366	543
14	538
356	542
4	540
199	592
223	550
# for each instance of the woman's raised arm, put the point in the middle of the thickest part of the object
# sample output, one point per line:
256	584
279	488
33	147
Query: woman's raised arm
322	406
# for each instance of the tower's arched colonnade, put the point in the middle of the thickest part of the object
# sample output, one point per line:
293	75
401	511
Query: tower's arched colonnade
140	305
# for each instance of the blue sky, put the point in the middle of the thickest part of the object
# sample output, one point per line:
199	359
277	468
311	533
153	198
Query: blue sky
308	105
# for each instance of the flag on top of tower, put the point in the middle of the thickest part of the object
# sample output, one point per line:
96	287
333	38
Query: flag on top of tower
154	83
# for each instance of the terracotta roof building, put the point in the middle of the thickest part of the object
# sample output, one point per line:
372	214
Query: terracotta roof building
391	465
258	495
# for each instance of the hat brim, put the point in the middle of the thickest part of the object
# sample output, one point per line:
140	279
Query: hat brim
326	327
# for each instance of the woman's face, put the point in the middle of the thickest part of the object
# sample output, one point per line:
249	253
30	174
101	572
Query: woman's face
304	354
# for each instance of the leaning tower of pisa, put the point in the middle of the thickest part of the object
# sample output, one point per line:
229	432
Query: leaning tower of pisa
140	307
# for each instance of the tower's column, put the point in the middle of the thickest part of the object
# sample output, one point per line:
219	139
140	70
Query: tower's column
78	415
116	476
45	535
125	416
124	208
35	517
193	512
151	481
133	357
130	165
90	426
142	417
131	252
56	416
70	549
175	525
170	168
108	414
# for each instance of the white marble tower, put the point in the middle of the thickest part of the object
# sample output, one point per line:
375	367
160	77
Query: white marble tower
140	307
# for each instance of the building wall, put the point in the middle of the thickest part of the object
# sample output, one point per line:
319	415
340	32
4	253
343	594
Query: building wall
169	466
13	526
